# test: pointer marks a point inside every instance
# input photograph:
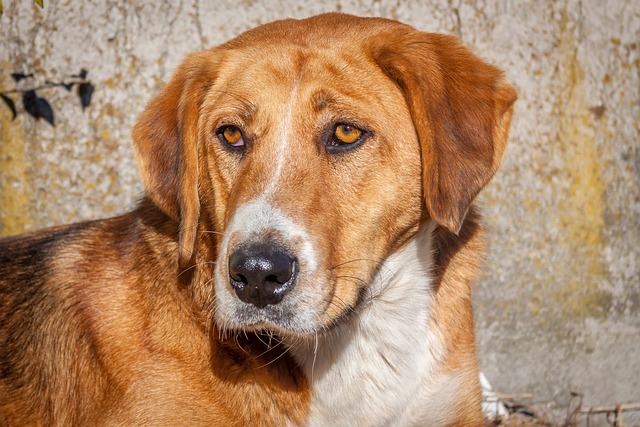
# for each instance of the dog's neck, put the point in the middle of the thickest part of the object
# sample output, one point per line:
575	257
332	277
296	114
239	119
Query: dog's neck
369	370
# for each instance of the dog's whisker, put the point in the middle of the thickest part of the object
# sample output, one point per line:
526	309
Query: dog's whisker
213	232
260	338
315	356
274	360
343	264
186	269
268	350
247	352
364	284
354	279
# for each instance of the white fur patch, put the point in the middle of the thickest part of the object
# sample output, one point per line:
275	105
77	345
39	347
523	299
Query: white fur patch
283	141
378	369
257	216
247	223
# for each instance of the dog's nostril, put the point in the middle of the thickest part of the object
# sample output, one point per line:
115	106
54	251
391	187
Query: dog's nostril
239	278
261	274
273	278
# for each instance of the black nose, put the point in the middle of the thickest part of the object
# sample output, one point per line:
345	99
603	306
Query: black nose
261	274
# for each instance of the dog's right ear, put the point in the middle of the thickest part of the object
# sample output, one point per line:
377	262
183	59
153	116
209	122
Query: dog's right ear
166	146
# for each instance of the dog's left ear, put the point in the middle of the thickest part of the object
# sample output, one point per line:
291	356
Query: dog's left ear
461	108
166	146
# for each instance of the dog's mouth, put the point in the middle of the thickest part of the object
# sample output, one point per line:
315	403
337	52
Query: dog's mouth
266	289
292	316
274	274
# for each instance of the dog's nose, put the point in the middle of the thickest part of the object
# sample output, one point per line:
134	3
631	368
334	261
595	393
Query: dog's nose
261	274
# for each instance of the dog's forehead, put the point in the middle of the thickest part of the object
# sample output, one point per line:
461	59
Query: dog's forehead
332	75
324	63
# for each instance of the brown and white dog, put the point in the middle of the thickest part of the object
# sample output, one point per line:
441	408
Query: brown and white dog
304	255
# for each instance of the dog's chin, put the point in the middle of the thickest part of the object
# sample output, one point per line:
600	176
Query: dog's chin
281	320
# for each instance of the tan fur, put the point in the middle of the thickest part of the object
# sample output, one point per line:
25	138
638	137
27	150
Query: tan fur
458	261
112	322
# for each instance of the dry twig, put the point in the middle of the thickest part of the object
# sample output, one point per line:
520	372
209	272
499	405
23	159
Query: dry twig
613	413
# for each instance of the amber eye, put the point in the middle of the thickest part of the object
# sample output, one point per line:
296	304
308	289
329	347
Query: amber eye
231	135
347	134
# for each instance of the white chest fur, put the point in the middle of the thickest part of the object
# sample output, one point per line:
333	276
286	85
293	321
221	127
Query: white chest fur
380	369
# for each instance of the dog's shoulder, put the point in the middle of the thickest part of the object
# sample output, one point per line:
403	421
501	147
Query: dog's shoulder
52	285
21	252
31	311
27	264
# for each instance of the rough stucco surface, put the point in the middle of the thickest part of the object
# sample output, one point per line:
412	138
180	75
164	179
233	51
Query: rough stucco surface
558	308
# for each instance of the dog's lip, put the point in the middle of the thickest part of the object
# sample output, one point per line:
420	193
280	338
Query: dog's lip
277	318
254	319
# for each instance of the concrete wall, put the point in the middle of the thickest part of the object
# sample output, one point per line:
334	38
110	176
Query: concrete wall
558	308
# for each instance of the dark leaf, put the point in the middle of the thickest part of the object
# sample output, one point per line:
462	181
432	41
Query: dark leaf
30	104
45	110
10	104
83	74
37	107
68	86
85	90
19	76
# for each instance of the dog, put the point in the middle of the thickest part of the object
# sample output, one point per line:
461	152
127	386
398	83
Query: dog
303	255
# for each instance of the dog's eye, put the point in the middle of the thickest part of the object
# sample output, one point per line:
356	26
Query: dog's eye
345	137
346	134
231	135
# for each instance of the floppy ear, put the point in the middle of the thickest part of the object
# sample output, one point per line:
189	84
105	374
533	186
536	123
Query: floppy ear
461	108
166	146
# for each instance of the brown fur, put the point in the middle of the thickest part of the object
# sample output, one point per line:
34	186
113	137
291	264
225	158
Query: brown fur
457	261
111	321
97	329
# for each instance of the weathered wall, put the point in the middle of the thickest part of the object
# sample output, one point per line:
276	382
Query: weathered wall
559	306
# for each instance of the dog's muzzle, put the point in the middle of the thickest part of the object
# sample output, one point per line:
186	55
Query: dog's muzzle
262	274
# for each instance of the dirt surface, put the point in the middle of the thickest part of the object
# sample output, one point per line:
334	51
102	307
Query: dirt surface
518	421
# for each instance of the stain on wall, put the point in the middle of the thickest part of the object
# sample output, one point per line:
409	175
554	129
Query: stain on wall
13	166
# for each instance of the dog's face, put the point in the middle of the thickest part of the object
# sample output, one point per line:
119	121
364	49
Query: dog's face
309	151
317	180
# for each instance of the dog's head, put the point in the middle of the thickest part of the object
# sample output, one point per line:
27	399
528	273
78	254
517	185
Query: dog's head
312	150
